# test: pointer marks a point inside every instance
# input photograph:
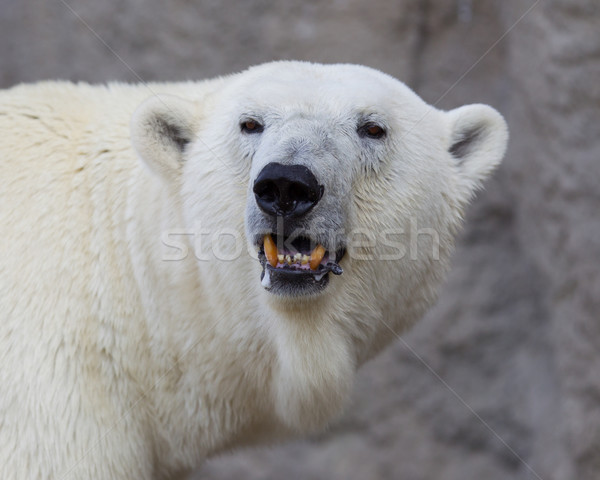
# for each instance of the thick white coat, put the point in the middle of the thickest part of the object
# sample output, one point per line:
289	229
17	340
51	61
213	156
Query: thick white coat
118	361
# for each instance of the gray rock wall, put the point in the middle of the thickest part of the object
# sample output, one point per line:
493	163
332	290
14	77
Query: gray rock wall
501	380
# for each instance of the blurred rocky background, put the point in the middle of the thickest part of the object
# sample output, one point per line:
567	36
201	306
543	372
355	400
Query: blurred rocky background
501	380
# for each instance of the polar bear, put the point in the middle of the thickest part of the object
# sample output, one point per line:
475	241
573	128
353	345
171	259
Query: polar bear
192	267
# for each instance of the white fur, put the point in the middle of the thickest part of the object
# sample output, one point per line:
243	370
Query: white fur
117	363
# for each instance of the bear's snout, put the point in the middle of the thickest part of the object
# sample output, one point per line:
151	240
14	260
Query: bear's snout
286	190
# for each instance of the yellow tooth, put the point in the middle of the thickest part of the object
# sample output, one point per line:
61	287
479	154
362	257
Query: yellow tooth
280	258
316	256
305	259
288	259
270	250
297	258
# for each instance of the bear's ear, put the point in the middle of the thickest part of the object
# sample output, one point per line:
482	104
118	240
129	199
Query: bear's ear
478	139
161	127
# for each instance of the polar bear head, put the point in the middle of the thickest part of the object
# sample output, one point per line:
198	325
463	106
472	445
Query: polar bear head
329	197
343	169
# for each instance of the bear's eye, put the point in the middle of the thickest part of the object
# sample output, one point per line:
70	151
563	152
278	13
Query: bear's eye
251	126
371	130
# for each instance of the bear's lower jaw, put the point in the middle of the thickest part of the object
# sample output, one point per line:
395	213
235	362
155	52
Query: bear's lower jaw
292	282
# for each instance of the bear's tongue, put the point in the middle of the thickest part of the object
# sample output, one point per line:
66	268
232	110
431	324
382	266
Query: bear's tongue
275	258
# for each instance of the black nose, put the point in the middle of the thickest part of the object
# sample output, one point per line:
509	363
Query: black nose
286	190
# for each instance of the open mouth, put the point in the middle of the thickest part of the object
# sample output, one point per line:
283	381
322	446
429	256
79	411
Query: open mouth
297	267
